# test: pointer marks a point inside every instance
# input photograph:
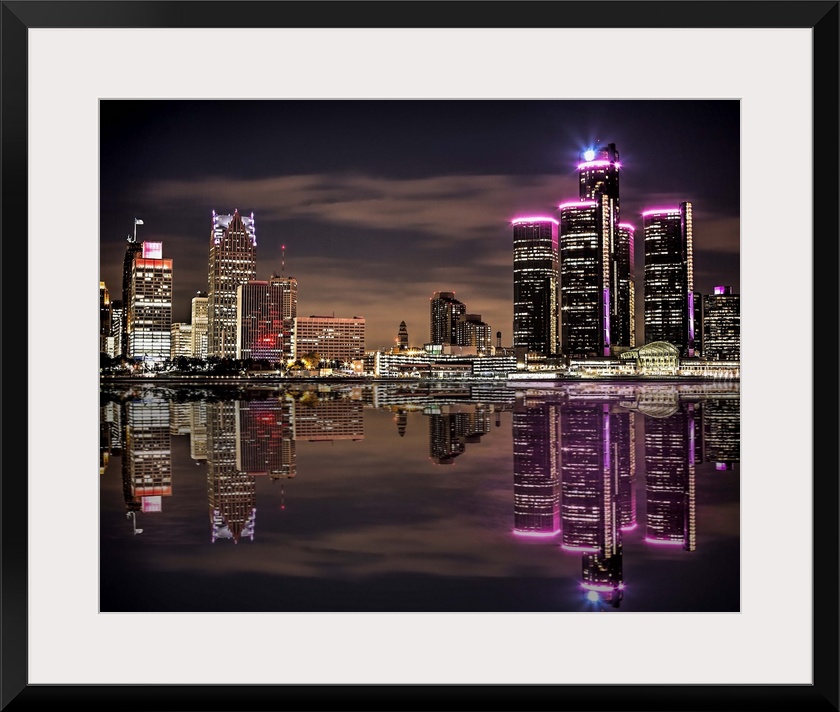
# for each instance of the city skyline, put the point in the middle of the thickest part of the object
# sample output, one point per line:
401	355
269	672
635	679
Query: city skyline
379	204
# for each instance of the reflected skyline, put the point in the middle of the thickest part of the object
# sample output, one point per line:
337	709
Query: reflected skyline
572	482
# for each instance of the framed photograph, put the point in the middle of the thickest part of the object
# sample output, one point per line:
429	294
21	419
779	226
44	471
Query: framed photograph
341	534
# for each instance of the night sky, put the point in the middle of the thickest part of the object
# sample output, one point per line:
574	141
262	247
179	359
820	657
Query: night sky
381	203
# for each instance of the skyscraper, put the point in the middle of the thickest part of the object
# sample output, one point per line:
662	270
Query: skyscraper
623	324
104	318
148	313
132	249
288	289
233	261
722	325
598	171
444	312
259	320
535	285
198	321
472	331
669	277
402	336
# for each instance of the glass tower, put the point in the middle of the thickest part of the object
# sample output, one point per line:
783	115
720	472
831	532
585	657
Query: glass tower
535	285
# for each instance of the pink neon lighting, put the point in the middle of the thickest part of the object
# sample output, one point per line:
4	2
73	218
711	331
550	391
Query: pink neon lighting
629	527
664	542
597	164
601	587
627	226
536	219
578	204
653	211
536	534
584	549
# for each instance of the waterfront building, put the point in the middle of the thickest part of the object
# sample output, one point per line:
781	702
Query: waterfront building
623	323
444	312
535	286
132	249
669	277
117	319
198	321
587	232
473	332
181	344
722	325
261	331
288	294
104	318
149	307
332	338
232	261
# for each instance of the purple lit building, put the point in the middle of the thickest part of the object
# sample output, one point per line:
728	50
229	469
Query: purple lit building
722	325
535	286
669	277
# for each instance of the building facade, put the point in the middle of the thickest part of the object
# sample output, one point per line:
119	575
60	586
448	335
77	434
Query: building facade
535	285
332	338
598	173
722	325
669	277
104	318
472	331
181	340
148	314
288	293
233	261
259	321
198	321
444	312
132	249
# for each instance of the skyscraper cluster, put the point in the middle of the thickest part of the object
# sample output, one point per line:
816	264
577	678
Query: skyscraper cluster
574	278
238	317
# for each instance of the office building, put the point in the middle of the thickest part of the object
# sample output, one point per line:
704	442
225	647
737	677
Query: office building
623	323
117	328
259	321
669	277
598	173
149	306
233	261
444	312
181	340
473	332
288	294
535	286
132	249
198	321
104	318
331	338
721	330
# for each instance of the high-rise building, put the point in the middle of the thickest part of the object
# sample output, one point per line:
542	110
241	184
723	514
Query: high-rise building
669	277
259	321
332	338
181	340
623	324
444	312
132	249
722	325
104	317
584	278
535	285
198	321
288	288
117	320
233	261
148	313
472	331
598	171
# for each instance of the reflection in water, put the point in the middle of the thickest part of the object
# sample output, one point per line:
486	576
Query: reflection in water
575	452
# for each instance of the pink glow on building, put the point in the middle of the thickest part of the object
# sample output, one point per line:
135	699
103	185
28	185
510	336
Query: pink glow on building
153	250
535	219
627	226
597	164
655	211
630	527
577	204
665	542
543	535
601	587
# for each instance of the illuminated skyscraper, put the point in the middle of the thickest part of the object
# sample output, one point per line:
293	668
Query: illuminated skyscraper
535	285
117	320
472	331
199	326
148	313
332	338
233	261
598	171
669	277
132	249
586	230
722	325
181	342
261	330
288	288
623	323
104	319
444	312
402	336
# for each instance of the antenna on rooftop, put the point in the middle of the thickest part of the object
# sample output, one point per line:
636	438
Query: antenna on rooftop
283	261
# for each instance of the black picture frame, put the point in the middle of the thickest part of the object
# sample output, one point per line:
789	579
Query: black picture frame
18	16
